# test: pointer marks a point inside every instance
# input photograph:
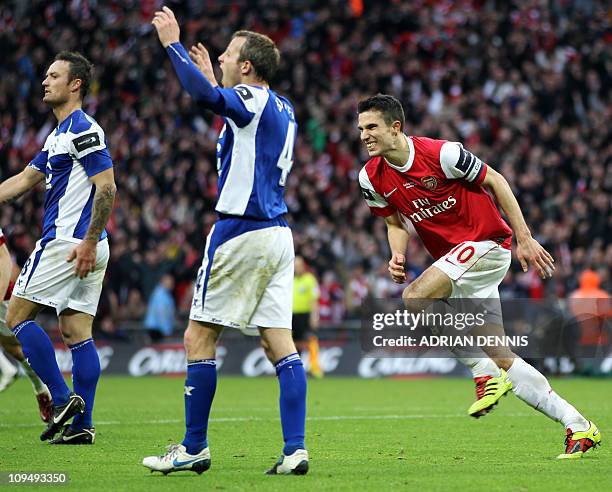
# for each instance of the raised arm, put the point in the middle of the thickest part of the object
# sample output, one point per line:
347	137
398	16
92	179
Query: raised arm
194	81
226	102
398	242
528	251
21	183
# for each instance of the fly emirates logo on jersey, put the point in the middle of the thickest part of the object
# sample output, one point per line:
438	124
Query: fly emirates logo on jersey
426	209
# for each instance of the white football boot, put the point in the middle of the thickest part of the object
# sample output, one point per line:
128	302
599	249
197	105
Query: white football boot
294	464
178	459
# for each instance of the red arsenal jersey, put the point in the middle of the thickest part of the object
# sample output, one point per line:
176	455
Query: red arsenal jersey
438	190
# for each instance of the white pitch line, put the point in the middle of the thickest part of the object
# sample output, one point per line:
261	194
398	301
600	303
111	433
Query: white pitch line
251	419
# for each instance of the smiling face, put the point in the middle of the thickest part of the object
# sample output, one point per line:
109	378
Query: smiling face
378	136
58	88
231	68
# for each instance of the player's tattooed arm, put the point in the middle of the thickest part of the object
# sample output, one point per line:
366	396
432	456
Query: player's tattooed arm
19	185
528	251
104	197
12	198
102	208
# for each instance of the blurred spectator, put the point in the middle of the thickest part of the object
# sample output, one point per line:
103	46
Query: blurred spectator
331	299
593	310
160	317
356	291
106	324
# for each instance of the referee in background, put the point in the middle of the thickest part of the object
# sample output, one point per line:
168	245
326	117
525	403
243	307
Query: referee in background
306	314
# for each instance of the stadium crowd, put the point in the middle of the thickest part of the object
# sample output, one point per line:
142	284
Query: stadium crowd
525	85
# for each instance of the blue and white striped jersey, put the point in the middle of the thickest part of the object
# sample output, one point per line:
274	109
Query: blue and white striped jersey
254	152
255	147
73	152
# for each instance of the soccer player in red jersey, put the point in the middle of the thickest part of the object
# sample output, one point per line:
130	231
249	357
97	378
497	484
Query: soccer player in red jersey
440	188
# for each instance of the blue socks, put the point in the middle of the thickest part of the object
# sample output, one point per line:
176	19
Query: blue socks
200	387
85	375
38	349
292	381
39	352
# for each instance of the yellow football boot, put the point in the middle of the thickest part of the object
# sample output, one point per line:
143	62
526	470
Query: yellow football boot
578	443
488	392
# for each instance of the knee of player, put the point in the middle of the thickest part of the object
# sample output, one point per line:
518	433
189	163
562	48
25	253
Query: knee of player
267	349
20	311
189	340
12	319
67	337
412	292
198	341
505	362
275	351
414	298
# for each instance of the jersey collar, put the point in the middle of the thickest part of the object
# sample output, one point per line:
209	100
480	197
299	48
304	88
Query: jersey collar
66	124
410	160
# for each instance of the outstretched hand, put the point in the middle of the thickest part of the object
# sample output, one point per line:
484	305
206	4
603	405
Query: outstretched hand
396	268
199	55
167	27
530	252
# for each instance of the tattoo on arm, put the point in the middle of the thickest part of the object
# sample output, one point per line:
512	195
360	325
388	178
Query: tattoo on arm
102	208
13	198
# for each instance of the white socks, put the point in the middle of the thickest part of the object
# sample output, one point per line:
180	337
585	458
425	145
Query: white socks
481	367
37	384
6	367
533	388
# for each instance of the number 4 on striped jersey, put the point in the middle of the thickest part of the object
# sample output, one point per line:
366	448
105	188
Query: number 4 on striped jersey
285	161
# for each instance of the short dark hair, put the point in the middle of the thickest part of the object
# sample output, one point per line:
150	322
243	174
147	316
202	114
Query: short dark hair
389	106
261	51
80	68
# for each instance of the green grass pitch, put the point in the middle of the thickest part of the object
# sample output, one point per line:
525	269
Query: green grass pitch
362	435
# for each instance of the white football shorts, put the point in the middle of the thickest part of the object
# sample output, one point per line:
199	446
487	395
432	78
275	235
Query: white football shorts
475	268
246	277
47	278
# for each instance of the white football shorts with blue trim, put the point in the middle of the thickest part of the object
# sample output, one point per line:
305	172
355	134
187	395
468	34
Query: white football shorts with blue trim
47	277
246	277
